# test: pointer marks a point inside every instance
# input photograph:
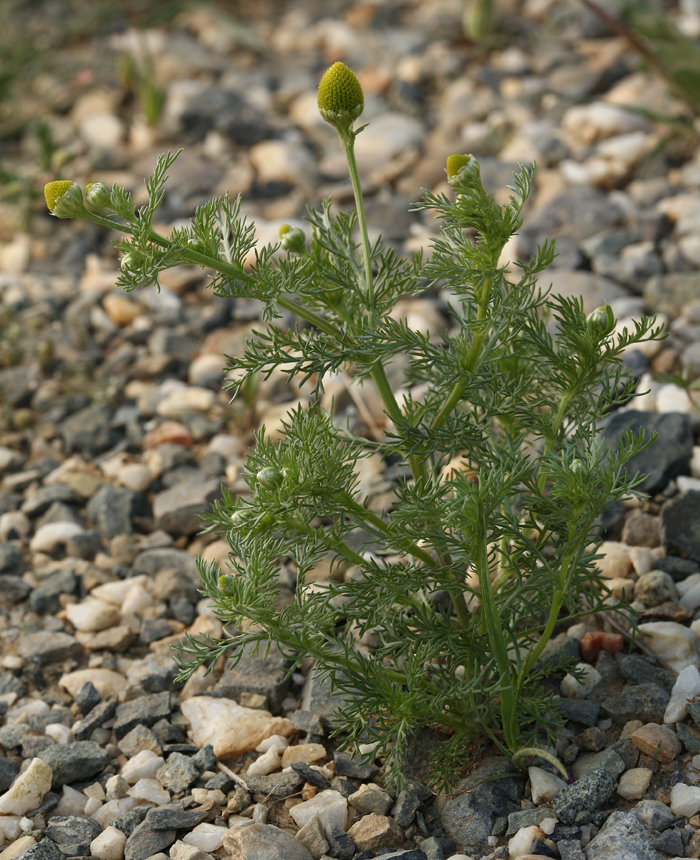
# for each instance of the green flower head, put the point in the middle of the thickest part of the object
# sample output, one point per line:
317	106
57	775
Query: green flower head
340	96
97	194
292	239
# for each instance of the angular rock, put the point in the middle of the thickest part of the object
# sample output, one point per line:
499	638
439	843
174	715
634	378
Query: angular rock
275	786
74	762
89	431
102	712
263	842
111	509
579	710
667	458
145	842
46	647
623	837
469	818
586	795
178	773
228	727
265	675
638	670
645	702
355	767
44	598
145	711
73	833
44	850
656	741
680	525
177	509
28	789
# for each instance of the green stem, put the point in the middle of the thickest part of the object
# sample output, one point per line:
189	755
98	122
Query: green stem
509	717
547	756
348	139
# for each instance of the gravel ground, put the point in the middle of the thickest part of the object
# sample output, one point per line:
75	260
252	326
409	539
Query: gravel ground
115	434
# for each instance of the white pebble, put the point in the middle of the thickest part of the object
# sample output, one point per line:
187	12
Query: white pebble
544	785
330	806
59	733
150	790
548	824
135	476
28	789
9	827
136	601
273	741
92	615
115	592
520	844
109	845
92	805
116	787
208	837
266	763
672	642
144	765
573	689
72	802
685	800
112	810
676	710
687	683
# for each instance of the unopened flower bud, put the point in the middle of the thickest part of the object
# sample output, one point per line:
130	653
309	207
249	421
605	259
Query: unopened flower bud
97	194
479	19
269	477
464	174
293	239
576	467
240	517
601	320
64	199
129	261
340	96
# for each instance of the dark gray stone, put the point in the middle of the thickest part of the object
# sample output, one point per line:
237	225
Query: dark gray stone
87	698
570	849
153	629
154	674
44	598
406	806
579	710
178	773
42	499
98	716
623	837
177	509
586	795
73	834
412	854
355	767
679	568
139	738
145	842
314	777
129	822
174	817
11	563
111	509
669	842
637	670
74	762
305	721
13	589
340	844
318	697
655	588
10	683
646	702
266	675
526	818
183	610
559	653
689	737
680	525
46	647
9	769
85	545
33	744
17	384
205	759
44	850
666	458
265	842
146	711
654	814
607	759
223	782
12	734
89	431
469	818
275	786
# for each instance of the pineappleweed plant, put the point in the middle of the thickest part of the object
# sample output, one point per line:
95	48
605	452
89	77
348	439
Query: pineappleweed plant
469	571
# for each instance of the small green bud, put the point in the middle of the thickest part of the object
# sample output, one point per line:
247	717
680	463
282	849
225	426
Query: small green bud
264	524
269	477
479	19
240	517
293	239
65	199
340	96
97	194
577	467
129	261
601	320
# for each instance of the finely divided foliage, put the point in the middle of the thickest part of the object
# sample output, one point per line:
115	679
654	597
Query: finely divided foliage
460	585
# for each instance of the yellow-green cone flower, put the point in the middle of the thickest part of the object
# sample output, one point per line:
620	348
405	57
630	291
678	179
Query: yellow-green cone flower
97	194
292	239
340	96
65	199
464	174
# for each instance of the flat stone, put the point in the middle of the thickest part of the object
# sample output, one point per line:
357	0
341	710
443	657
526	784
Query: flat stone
74	762
105	710
623	837
28	789
230	728
656	741
579	710
73	833
645	702
353	766
679	568
44	598
146	711
265	675
89	431
263	842
174	817
112	509
178	773
469	818
144	842
44	850
46	647
606	759
638	670
138	739
177	509
667	458
373	832
586	795
274	786
655	814
680	525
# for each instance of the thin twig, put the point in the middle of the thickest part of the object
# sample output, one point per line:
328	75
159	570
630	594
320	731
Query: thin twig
234	776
